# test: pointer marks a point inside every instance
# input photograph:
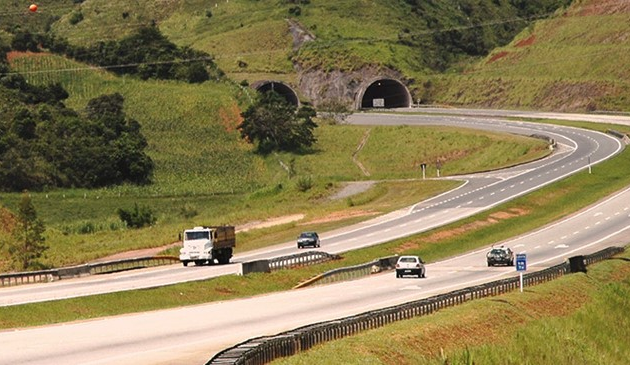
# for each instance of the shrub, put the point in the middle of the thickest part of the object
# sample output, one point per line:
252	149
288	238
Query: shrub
304	183
138	217
76	17
188	211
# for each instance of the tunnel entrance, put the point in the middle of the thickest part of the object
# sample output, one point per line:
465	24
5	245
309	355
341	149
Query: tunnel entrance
279	87
384	93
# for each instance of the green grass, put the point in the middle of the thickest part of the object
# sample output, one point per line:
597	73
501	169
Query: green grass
524	214
560	322
203	165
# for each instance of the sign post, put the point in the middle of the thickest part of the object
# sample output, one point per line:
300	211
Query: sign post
423	166
521	265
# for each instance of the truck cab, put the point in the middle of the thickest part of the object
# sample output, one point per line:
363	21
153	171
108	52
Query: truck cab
205	244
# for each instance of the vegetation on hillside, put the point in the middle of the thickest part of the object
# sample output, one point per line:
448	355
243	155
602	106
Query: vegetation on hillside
46	145
274	124
146	53
575	61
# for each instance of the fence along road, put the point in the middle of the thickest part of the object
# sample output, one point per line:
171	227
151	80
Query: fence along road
193	334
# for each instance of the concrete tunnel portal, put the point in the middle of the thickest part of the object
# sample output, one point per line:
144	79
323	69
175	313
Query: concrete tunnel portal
281	88
384	93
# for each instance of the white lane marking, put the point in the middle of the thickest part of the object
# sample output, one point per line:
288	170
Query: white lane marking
414	287
562	246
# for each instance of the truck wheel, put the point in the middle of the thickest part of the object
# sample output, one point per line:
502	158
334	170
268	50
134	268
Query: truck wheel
185	263
223	259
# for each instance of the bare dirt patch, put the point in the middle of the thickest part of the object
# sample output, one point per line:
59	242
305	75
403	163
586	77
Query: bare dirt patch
147	252
16	54
492	219
341	215
7	220
446	234
352	188
269	222
498	56
603	7
230	117
527	41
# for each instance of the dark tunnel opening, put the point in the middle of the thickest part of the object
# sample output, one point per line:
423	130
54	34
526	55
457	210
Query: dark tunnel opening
280	88
386	93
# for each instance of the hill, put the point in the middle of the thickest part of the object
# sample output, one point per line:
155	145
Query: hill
326	50
545	54
574	61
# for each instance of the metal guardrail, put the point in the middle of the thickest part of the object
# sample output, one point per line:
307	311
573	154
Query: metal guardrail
261	350
45	276
300	259
351	272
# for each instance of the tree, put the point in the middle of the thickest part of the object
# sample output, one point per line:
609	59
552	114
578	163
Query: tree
28	244
273	123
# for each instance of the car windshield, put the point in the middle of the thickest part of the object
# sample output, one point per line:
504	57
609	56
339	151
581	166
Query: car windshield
307	235
408	259
498	251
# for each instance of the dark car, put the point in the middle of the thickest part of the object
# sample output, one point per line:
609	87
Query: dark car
500	256
308	239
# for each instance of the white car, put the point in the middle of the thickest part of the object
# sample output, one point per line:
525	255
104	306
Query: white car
410	265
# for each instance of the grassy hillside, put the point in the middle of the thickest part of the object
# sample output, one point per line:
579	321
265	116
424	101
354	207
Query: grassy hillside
571	59
576	60
253	39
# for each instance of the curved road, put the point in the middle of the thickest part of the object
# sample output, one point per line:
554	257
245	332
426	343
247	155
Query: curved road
576	148
193	334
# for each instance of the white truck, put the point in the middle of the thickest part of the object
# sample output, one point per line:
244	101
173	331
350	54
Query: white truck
205	244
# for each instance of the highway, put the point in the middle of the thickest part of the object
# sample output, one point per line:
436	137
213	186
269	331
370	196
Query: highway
478	192
193	334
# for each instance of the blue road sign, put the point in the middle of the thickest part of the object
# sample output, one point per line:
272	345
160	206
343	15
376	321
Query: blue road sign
521	262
